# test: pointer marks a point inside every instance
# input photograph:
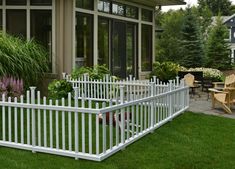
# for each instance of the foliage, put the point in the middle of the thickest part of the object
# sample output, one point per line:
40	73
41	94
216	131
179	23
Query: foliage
59	89
209	73
192	46
217	48
96	73
22	59
165	71
216	6
11	87
168	43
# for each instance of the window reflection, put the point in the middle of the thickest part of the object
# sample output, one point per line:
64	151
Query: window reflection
86	4
16	22
103	41
147	15
41	2
41	29
15	2
118	9
84	38
0	19
146	52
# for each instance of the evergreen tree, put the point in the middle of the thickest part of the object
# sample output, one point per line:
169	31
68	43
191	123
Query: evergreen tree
168	42
216	6
217	47
191	43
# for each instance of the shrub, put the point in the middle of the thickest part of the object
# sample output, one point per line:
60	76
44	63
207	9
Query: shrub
95	73
11	87
22	59
209	73
59	89
165	71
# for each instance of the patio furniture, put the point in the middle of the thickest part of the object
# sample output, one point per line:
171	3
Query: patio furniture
226	95
190	81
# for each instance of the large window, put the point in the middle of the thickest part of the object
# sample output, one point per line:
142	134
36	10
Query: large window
16	2
84	38
103	41
104	6
146	53
86	4
16	22
41	2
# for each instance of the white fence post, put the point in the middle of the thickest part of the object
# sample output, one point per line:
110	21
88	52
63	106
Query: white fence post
76	130
170	98
122	115
32	90
152	103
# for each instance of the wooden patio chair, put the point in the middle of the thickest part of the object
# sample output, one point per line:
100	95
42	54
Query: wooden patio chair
190	81
226	96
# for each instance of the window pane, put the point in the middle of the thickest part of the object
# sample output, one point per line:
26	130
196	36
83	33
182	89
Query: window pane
103	42
104	6
41	2
84	38
147	15
41	29
131	12
146	52
16	22
118	9
16	2
0	19
0	2
86	4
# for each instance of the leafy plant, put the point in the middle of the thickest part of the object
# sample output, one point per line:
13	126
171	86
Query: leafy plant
165	71
59	89
96	73
22	59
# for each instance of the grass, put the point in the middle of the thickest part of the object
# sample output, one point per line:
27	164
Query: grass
190	141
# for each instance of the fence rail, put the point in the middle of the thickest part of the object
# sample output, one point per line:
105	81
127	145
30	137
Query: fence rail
90	124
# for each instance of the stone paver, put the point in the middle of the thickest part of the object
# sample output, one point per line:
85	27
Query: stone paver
203	105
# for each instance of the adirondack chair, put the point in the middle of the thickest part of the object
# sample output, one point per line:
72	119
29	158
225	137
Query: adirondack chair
190	81
226	96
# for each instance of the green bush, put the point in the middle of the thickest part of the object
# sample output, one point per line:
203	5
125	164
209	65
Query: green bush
165	71
22	59
59	89
208	73
96	73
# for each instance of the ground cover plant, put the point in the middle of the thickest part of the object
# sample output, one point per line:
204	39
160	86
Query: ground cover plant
190	141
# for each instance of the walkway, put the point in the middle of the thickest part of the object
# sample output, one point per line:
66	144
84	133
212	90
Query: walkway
203	105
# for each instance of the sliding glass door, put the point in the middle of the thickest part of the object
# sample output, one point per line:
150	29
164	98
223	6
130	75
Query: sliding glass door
117	46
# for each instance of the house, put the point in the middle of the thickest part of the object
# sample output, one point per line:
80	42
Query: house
117	33
229	21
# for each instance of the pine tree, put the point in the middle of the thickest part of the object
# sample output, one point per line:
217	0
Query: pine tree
217	48
191	43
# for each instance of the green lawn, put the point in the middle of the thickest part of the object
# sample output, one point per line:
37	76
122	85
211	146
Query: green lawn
190	141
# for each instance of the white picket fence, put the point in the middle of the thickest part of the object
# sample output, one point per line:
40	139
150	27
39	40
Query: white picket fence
102	118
